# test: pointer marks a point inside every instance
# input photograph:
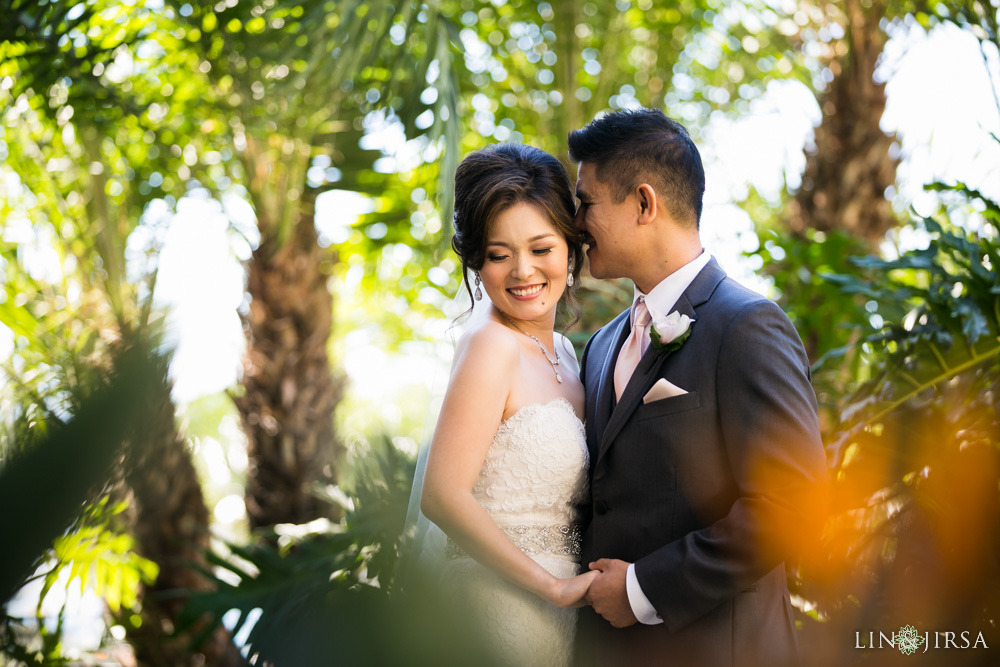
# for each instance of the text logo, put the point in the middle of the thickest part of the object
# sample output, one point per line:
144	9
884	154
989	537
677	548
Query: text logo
908	640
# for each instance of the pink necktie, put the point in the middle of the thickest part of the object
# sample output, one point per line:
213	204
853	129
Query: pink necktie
635	345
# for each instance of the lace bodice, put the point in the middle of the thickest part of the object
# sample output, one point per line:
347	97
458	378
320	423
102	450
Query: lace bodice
535	471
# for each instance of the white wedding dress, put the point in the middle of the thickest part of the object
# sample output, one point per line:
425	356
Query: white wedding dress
533	477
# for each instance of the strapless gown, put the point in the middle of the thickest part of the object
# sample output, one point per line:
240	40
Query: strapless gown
532	480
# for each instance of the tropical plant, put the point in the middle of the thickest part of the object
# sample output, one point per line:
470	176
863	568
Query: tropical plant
916	469
843	206
321	590
900	408
290	84
74	461
951	297
89	121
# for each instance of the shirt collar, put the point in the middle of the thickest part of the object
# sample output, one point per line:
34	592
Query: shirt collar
662	298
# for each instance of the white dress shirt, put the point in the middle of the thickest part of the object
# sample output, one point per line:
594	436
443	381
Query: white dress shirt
661	299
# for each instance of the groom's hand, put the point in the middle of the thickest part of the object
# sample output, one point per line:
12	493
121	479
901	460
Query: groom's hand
608	594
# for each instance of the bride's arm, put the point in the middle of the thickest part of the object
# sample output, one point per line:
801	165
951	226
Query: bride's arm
483	372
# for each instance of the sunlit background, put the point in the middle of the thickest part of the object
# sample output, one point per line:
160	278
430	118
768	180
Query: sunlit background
939	104
941	108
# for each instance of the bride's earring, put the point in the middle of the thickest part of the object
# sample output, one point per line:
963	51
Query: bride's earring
479	292
569	274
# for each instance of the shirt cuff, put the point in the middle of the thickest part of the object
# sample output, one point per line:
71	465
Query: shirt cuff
641	606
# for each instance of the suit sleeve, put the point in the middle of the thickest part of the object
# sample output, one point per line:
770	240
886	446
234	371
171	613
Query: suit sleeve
767	413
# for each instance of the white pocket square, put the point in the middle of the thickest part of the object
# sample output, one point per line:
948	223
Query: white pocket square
662	389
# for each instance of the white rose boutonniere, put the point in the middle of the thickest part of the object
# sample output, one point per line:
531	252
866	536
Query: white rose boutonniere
669	333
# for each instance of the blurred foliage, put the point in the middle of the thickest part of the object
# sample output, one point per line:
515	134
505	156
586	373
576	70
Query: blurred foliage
112	111
906	370
21	645
304	92
322	591
309	95
534	71
98	555
539	70
363	547
913	445
600	302
981	18
94	98
86	151
93	553
829	318
65	467
121	91
211	426
290	85
950	294
70	461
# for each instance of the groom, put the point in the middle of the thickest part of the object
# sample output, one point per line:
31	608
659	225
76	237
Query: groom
706	465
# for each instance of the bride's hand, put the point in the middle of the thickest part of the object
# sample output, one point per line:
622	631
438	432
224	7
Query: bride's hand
570	592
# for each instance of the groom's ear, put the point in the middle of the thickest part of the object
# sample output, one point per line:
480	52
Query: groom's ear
646	198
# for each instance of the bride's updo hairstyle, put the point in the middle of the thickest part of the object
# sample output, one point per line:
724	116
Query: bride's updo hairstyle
491	180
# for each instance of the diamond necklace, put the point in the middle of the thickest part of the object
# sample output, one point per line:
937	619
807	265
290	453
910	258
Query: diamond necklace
541	346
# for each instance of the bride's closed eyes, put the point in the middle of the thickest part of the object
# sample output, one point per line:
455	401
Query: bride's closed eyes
537	251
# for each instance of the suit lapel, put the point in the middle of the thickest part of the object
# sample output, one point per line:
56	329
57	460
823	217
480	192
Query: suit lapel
618	332
646	372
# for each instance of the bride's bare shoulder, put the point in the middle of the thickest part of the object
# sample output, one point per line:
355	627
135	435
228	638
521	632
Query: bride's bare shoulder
488	342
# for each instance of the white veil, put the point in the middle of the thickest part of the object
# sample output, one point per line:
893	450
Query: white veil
422	550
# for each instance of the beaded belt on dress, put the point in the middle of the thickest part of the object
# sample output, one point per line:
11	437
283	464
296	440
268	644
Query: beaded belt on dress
532	539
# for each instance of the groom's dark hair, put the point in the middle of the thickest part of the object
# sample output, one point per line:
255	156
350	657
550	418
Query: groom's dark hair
636	146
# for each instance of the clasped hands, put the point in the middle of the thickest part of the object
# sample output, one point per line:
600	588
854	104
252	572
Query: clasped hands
603	588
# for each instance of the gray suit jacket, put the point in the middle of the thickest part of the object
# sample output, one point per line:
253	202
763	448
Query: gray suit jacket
708	492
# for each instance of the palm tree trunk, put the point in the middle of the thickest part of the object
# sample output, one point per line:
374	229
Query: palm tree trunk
171	529
850	168
290	393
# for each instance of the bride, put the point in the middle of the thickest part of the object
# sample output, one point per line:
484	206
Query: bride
508	461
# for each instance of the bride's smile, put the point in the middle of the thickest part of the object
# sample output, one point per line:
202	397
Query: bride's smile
525	293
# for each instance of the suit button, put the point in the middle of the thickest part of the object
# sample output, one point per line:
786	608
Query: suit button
601	507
